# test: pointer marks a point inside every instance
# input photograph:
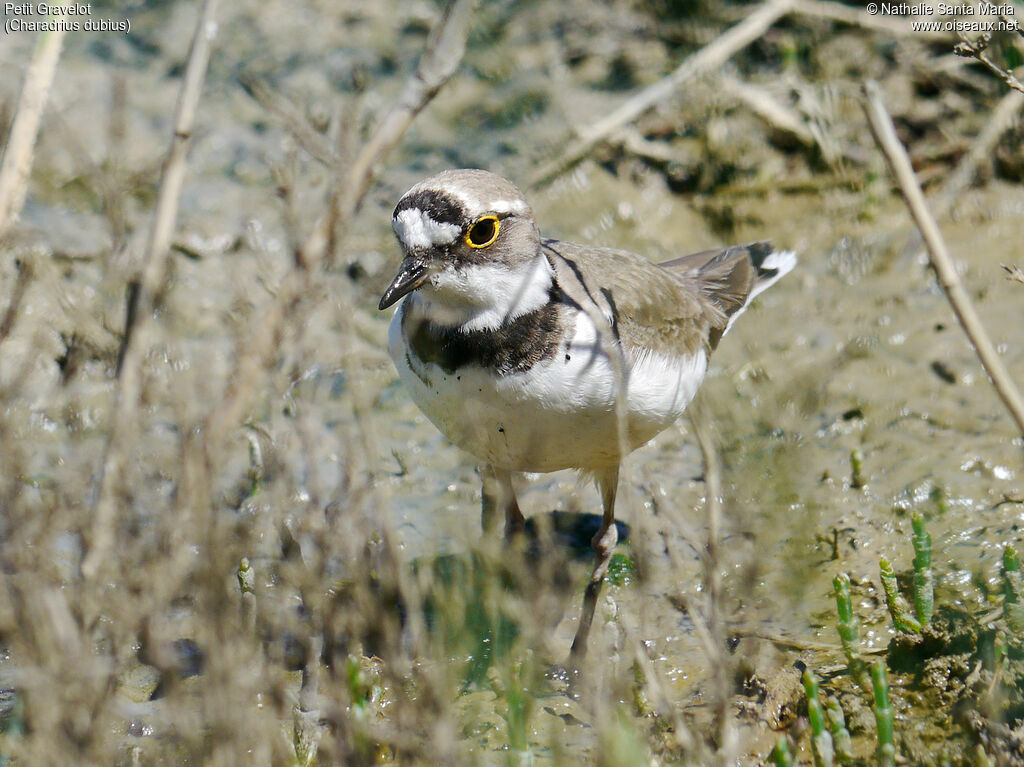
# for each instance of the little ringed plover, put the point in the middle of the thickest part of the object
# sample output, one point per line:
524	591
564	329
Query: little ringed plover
537	355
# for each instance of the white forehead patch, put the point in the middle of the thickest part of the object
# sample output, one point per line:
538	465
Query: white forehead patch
509	206
418	230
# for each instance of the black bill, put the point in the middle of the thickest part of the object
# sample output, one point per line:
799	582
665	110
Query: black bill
411	274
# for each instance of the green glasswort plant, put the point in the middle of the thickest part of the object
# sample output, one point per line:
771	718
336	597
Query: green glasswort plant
883	716
821	739
898	607
780	754
841	741
513	683
848	630
856	469
924	584
924	579
1013	588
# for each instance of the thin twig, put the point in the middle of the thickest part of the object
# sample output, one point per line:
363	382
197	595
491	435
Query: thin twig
18	155
885	137
1014	272
798	643
708	58
154	268
1012	23
310	140
10	316
975	49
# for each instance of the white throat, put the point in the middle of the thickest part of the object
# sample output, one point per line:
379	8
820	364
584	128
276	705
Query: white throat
483	296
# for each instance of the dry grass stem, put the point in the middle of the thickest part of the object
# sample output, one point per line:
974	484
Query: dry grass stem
707	59
811	134
18	155
25	269
154	269
899	162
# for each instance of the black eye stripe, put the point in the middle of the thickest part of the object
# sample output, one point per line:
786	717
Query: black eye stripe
437	205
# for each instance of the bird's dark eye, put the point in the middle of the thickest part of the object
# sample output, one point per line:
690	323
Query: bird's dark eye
483	232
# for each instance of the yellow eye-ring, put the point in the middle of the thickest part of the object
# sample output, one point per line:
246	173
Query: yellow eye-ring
483	232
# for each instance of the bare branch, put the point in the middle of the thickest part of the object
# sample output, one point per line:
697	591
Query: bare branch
272	101
441	57
25	269
768	109
154	268
1012	24
18	156
976	50
899	162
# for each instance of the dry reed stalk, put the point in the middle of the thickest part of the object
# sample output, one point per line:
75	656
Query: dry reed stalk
17	160
899	162
299	127
154	270
708	58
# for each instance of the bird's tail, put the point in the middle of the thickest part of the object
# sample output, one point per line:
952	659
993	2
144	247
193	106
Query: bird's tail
731	278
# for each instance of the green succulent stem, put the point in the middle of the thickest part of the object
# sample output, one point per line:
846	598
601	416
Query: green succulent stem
924	579
857	468
848	629
1013	592
898	607
841	740
883	716
981	757
821	739
780	754
246	577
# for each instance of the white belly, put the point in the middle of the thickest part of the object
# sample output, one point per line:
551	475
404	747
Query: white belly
558	414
